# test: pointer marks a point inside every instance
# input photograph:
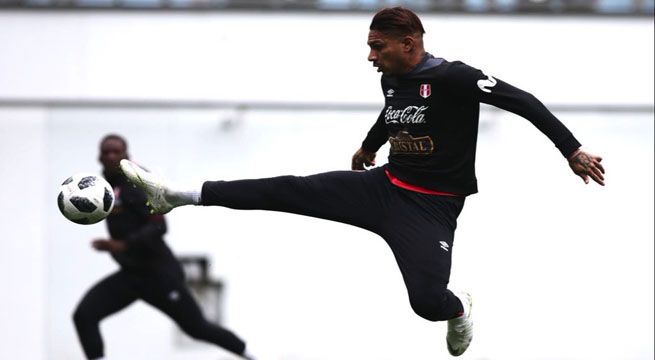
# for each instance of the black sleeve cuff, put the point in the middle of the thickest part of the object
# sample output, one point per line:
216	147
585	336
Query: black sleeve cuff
568	146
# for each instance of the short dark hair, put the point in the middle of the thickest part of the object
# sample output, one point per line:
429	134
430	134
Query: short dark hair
114	137
397	21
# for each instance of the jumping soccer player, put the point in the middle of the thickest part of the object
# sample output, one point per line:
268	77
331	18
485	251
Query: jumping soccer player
430	118
148	269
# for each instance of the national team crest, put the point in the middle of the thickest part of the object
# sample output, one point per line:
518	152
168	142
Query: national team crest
425	90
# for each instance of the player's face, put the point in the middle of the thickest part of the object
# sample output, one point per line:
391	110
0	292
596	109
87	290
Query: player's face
387	53
112	151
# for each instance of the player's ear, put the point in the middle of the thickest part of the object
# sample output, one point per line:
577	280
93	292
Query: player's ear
408	43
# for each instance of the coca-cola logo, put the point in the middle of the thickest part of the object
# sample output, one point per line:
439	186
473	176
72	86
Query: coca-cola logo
408	115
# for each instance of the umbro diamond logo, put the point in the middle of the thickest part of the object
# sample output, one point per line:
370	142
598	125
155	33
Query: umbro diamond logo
390	92
443	245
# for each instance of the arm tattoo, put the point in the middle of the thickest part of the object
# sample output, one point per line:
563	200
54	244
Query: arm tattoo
583	160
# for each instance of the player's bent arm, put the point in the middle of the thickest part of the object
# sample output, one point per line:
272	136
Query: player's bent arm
375	138
522	103
526	105
362	159
473	84
111	245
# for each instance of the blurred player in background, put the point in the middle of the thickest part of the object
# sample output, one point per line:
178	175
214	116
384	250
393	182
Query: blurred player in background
430	118
148	269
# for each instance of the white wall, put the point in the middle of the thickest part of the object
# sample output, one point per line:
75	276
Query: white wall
23	261
308	57
535	242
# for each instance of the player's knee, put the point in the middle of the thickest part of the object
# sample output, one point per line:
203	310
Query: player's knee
82	317
433	308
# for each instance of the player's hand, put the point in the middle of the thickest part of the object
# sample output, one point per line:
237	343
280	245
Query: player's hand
363	159
108	245
587	166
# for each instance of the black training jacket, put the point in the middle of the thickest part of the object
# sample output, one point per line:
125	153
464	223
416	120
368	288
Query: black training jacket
430	119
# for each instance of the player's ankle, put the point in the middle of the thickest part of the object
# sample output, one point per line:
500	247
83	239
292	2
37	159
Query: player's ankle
183	197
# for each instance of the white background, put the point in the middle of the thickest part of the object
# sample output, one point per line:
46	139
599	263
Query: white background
559	270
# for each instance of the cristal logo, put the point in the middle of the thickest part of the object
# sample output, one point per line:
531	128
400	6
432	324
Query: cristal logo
408	115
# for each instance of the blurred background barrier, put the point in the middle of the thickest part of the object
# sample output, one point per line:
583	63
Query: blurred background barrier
517	7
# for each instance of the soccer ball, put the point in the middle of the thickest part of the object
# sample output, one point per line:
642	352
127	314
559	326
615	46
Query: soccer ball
85	198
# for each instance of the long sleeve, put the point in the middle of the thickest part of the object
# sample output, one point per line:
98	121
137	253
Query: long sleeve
472	82
377	135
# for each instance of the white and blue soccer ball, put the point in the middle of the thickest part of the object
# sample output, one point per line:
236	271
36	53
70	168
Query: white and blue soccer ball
85	198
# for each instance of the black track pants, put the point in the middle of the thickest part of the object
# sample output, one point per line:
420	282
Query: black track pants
419	228
165	292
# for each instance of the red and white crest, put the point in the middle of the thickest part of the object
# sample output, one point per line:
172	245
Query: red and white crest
425	90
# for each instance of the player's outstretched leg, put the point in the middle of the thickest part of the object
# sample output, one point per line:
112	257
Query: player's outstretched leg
460	329
161	197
